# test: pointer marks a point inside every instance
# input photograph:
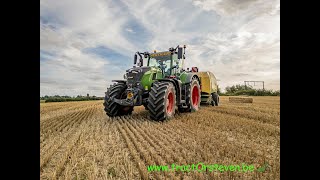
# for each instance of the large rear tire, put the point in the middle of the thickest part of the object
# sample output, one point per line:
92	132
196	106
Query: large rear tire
193	98
112	108
162	101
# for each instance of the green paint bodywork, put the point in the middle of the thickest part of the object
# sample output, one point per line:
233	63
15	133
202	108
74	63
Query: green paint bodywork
146	79
183	77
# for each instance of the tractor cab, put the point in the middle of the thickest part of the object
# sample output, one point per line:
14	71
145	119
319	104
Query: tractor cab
166	61
169	62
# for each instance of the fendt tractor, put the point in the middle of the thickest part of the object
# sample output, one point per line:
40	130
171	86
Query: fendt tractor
163	86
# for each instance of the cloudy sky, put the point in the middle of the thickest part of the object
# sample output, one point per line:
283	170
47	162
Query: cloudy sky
84	44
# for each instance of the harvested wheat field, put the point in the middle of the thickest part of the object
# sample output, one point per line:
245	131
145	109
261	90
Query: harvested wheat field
78	141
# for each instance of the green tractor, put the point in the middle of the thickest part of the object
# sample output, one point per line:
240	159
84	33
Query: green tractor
162	86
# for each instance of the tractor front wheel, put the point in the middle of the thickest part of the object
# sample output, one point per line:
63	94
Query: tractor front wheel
162	101
112	108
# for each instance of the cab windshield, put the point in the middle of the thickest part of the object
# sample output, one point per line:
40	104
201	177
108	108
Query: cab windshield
162	62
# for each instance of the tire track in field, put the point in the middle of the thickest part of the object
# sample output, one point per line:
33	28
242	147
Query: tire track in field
55	107
176	141
155	151
50	143
111	143
248	125
169	151
240	135
46	131
103	136
255	108
142	149
76	122
180	122
49	131
84	150
223	127
132	146
186	124
65	158
162	144
166	141
202	150
130	171
53	120
51	150
88	113
261	117
196	140
157	145
62	114
50	127
192	139
75	119
67	120
102	142
47	112
65	111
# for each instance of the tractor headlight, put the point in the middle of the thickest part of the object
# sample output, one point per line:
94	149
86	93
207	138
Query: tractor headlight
125	76
129	95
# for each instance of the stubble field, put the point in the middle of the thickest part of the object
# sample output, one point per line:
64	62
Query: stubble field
78	141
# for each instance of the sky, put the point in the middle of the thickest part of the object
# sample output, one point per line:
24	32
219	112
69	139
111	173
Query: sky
85	44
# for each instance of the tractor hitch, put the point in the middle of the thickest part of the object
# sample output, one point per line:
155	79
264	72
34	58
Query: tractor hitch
134	98
124	102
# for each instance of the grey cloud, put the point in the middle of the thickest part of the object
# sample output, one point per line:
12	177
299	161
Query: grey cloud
45	80
97	88
240	74
238	7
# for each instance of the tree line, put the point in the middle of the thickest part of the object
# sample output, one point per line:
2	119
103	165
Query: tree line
57	98
238	89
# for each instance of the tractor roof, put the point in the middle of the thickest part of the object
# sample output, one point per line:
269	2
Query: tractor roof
164	53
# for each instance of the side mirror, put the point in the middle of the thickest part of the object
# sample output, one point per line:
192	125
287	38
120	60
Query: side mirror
180	53
135	59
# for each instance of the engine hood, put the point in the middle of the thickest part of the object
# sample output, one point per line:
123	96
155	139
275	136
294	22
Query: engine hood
135	74
138	69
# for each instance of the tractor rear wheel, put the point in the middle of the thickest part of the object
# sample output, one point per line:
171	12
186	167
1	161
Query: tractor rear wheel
193	98
162	101
112	108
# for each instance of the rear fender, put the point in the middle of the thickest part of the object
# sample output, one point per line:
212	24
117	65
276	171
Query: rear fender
190	76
